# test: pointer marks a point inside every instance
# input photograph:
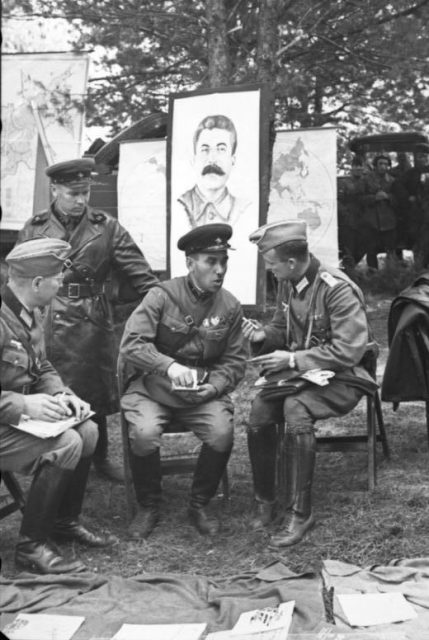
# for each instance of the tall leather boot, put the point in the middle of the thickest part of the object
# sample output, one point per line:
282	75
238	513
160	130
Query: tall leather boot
262	447
105	467
146	473
300	518
209	470
67	526
33	552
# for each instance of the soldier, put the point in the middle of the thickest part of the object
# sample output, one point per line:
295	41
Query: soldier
350	209
319	323
79	325
31	387
185	328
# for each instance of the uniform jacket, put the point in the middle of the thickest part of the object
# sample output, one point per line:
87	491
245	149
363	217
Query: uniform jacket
406	376
24	368
323	319
80	337
378	214
227	208
350	206
153	336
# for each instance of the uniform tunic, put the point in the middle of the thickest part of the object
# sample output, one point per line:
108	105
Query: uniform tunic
322	319
78	325
154	338
25	370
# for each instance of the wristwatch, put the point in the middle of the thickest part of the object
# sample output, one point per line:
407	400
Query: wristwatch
292	363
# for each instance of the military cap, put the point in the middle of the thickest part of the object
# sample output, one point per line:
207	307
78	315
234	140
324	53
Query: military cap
207	238
421	147
71	171
38	257
275	234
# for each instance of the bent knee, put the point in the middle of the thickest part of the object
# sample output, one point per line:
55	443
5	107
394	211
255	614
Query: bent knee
221	437
88	431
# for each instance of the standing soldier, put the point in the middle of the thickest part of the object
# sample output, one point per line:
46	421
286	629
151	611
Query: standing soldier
79	325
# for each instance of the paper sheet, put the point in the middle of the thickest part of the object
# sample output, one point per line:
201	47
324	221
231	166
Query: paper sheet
45	429
160	632
265	620
35	626
367	609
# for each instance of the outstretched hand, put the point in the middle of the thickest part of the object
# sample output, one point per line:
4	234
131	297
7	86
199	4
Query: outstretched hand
274	361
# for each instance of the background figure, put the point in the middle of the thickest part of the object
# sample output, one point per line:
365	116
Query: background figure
184	324
79	324
319	323
411	192
403	164
215	145
350	210
31	386
379	217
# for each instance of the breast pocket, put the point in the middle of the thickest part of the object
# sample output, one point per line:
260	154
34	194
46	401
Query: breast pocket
171	333
16	358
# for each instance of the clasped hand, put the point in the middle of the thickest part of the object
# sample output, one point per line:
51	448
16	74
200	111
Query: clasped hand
275	361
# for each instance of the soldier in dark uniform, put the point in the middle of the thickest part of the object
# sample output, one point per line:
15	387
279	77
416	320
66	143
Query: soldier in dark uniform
185	327
319	323
79	326
32	388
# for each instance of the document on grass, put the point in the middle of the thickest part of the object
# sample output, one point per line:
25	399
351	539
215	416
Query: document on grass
367	609
160	631
44	429
35	626
264	620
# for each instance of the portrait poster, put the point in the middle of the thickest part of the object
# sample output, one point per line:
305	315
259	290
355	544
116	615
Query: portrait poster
40	94
304	187
221	130
142	197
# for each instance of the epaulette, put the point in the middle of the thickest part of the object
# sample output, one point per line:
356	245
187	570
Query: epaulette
98	216
39	218
330	280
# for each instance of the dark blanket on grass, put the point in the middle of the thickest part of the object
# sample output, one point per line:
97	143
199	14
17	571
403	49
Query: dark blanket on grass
109	602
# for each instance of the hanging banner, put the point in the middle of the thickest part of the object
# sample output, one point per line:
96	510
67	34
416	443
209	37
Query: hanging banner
42	124
304	187
142	197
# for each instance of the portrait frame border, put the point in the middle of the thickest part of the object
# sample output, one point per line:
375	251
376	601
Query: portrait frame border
264	156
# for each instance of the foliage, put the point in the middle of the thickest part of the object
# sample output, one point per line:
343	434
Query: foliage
357	64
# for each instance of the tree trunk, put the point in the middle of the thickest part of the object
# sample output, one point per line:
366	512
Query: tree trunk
219	67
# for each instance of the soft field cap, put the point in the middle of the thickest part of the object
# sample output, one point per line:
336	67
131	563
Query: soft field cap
275	234
39	257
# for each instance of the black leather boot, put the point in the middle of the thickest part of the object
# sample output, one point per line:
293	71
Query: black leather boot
262	445
300	518
146	472
33	552
209	470
104	467
67	526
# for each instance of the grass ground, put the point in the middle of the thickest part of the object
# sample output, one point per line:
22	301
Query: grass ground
352	524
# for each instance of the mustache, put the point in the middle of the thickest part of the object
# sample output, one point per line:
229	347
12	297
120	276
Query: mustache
212	168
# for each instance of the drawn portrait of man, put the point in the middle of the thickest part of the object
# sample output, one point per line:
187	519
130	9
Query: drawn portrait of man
209	200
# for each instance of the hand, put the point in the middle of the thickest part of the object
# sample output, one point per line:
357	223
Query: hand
274	361
42	406
180	375
204	393
253	330
78	407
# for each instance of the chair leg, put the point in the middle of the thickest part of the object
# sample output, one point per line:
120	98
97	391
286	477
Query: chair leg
14	489
427	419
281	466
225	487
372	478
381	428
128	481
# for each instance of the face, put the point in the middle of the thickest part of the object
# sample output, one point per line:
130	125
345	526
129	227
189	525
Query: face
280	269
382	166
208	270
357	170
46	287
71	200
213	158
421	159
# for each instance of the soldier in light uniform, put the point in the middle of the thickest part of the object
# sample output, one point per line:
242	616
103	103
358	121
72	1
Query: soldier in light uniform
183	325
31	387
319	323
80	339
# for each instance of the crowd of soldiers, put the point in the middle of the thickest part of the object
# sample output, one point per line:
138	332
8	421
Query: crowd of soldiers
385	209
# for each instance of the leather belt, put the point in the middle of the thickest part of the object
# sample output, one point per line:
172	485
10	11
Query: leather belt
80	290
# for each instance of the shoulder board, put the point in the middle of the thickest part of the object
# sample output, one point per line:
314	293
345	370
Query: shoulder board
98	216
39	218
328	278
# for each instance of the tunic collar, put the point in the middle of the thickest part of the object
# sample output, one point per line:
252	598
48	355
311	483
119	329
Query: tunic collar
69	222
200	295
22	313
307	278
205	211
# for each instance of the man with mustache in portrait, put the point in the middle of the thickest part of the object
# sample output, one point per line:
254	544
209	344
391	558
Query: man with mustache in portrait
215	145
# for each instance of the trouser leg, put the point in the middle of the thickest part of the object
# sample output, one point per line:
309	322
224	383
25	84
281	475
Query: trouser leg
146	474
105	467
32	552
262	446
211	466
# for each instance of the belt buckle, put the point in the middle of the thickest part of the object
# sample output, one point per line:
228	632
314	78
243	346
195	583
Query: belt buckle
73	290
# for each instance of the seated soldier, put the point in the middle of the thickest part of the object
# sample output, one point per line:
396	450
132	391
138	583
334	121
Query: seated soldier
31	387
184	327
319	323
